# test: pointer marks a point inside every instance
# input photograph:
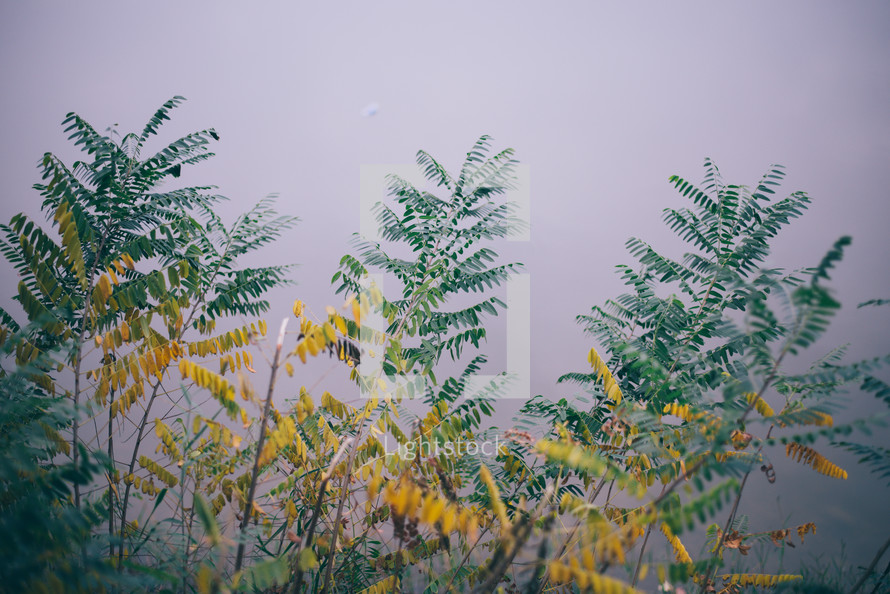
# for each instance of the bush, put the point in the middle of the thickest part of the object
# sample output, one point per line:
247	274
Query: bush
688	395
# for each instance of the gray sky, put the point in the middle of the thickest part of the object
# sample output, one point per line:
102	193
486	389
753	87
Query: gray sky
602	101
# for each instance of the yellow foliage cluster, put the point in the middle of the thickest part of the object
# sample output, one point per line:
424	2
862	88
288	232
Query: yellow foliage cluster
682	412
819	418
806	455
290	512
218	503
25	352
237	338
573	504
147	487
304	406
127	399
495	502
328	439
514	465
680	553
60	442
222	390
159	471
335	407
316	337
219	433
610	386
71	241
384	586
124	333
759	404
232	362
168	442
105	298
115	374
407	556
586	577
408	499
758	580
632	525
278	439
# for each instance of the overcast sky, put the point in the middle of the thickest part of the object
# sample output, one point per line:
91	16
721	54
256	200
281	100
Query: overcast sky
602	101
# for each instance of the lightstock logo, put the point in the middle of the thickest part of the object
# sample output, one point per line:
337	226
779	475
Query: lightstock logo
515	381
425	448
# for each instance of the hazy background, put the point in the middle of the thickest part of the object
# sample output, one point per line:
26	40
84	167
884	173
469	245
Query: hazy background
602	102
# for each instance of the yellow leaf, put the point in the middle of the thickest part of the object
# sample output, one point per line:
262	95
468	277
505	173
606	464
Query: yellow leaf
448	520
341	325
104	287
432	509
356	313
205	580
495	497
307	560
759	404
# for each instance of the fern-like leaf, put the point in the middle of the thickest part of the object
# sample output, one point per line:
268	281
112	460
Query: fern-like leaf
820	463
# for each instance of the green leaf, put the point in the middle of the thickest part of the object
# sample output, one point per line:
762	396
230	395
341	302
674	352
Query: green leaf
207	519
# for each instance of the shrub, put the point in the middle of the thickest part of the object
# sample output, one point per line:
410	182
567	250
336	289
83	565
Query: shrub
689	395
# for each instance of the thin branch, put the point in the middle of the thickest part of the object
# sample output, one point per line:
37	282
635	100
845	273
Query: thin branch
871	567
248	506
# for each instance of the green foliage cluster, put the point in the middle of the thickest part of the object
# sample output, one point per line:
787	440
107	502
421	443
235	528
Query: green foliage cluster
127	462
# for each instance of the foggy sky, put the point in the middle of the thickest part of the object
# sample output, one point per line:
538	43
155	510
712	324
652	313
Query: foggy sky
603	102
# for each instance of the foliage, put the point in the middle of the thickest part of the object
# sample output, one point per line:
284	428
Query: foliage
34	513
689	393
446	238
130	277
698	369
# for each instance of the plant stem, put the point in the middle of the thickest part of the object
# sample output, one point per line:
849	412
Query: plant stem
642	550
343	490
78	359
510	546
126	499
248	506
316	512
735	504
643	547
881	579
111	482
871	567
464	560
